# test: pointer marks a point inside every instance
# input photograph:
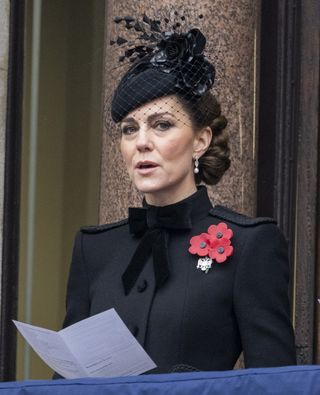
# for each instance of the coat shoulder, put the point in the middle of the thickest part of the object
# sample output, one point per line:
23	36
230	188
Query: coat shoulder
227	214
103	228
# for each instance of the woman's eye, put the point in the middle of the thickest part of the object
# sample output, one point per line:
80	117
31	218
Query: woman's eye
163	125
128	129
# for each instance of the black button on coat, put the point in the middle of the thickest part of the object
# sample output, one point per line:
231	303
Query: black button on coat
197	319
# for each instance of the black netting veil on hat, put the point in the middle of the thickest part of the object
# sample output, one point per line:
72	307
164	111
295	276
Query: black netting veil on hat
139	89
166	63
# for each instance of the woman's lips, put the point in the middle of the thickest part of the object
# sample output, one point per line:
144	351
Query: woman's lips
146	167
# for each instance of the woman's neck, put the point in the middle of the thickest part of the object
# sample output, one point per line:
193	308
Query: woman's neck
165	198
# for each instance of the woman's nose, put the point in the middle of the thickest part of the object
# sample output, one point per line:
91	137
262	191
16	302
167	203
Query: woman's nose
143	141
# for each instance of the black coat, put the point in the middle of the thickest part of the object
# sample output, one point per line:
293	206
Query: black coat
198	319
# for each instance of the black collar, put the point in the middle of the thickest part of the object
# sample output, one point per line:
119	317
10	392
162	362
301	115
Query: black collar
180	215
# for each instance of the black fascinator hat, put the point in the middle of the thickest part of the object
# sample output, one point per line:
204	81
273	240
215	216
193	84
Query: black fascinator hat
170	63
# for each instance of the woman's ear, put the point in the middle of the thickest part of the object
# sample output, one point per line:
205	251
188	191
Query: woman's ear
202	141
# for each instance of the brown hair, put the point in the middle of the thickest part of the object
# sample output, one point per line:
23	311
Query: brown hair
216	160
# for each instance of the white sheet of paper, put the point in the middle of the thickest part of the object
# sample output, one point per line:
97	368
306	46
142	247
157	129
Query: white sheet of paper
99	346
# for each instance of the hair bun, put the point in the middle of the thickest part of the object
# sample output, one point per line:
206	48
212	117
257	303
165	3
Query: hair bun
216	160
218	124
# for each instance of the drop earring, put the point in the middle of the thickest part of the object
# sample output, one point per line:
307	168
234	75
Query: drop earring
196	165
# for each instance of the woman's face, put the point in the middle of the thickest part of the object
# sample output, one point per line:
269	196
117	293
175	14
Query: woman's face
158	144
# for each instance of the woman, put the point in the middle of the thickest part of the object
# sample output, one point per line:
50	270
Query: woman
196	284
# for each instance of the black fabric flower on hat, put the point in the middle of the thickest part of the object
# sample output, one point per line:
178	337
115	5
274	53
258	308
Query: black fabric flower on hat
183	54
195	77
175	48
168	63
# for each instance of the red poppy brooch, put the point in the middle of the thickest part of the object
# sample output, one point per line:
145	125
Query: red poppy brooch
214	245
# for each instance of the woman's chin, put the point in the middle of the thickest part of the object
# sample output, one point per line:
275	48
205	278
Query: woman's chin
148	188
151	185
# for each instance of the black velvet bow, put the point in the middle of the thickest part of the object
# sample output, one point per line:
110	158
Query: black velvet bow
153	223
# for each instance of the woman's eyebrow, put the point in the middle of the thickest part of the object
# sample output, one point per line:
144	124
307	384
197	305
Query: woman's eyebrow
128	119
152	117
